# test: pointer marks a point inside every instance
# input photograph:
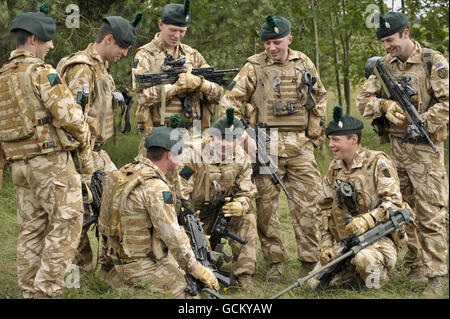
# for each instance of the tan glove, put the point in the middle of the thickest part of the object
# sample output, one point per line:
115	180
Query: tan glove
395	114
327	253
360	225
205	275
233	208
187	82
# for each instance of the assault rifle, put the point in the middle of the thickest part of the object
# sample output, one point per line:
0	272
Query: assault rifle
353	244
201	251
219	227
263	159
96	188
400	93
174	68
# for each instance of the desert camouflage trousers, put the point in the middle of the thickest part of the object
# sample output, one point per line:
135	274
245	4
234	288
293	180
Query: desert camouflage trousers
50	209
424	186
301	177
244	256
373	264
84	257
164	276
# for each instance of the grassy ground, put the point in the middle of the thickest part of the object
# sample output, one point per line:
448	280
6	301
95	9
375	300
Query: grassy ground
123	151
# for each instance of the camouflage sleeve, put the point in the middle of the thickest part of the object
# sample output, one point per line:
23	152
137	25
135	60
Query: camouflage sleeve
215	90
59	101
75	76
163	217
149	96
239	91
388	188
438	114
247	189
367	101
318	90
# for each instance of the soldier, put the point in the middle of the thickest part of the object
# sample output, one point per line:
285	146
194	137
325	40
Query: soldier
37	115
374	185
90	67
154	109
138	216
422	173
282	90
229	166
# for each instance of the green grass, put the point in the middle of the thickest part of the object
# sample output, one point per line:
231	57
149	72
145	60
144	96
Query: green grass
123	150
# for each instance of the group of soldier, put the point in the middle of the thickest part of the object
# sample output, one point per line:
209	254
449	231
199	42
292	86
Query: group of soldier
53	123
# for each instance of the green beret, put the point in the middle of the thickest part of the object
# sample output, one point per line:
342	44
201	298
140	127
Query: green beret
391	23
275	27
161	136
343	124
229	125
37	23
123	31
177	14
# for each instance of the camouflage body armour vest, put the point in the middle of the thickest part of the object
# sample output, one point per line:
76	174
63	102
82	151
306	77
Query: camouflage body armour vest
276	97
419	82
367	198
129	231
100	99
174	104
26	127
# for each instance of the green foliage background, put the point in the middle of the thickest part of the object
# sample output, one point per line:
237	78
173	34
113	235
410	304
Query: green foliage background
226	32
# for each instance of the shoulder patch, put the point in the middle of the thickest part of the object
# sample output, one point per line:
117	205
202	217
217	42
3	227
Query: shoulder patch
186	172
168	199
438	65
386	173
442	73
382	165
231	86
135	63
54	79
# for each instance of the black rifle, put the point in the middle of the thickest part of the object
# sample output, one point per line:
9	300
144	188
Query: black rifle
263	159
400	93
125	110
219	227
201	251
353	244
96	187
174	68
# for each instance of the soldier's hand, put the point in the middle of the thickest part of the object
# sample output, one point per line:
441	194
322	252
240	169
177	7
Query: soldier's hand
233	208
327	253
205	275
358	226
187	82
395	114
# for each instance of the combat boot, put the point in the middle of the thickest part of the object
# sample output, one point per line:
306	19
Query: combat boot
275	273
416	273
433	290
306	268
246	282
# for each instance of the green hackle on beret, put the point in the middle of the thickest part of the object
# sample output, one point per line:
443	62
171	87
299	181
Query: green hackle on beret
343	124
275	27
177	14
391	23
137	19
37	23
174	121
44	8
229	125
162	136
